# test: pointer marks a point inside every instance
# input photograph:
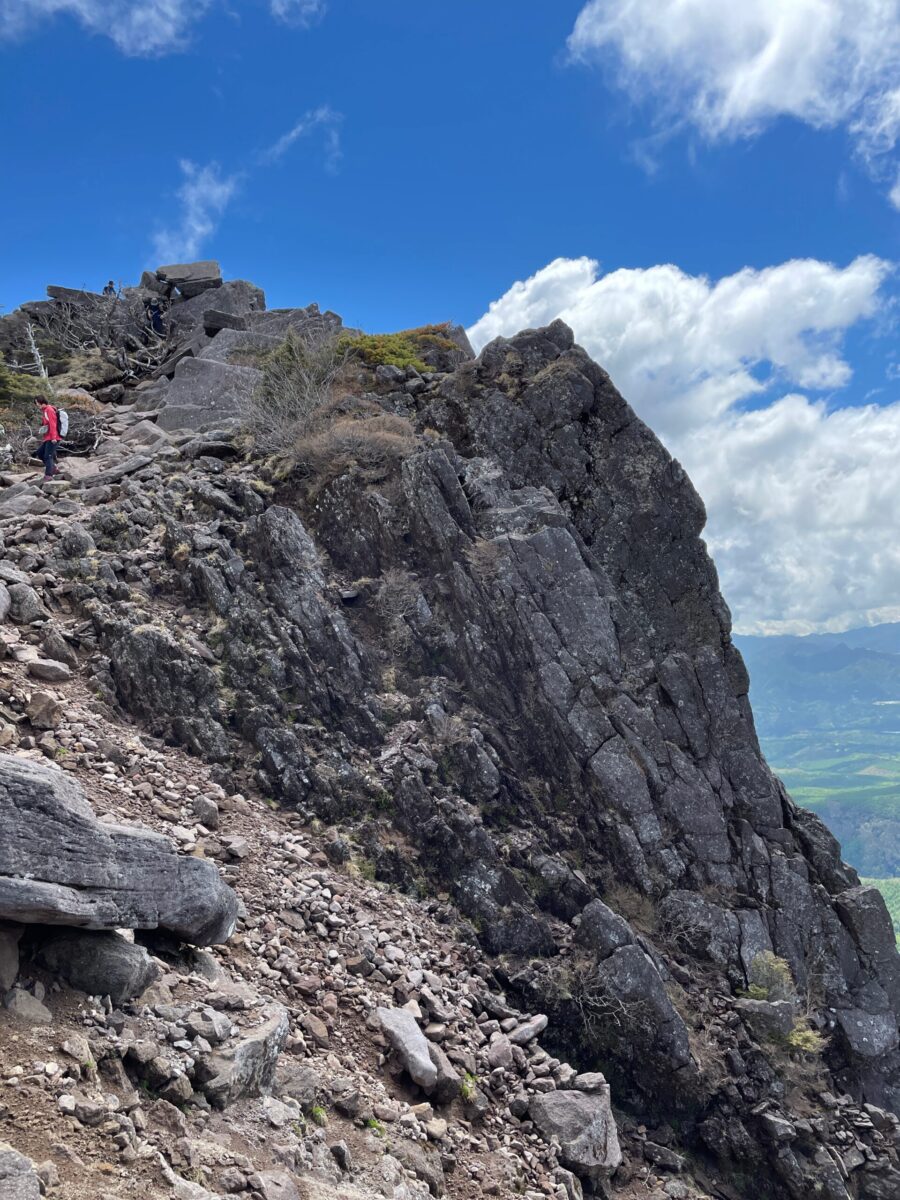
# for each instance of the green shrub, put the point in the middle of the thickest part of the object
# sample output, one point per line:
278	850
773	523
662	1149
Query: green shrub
318	1115
384	350
408	348
468	1086
770	978
755	992
806	1040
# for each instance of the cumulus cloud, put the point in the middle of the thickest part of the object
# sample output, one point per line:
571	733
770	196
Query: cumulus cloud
730	69
145	28
204	195
323	118
801	497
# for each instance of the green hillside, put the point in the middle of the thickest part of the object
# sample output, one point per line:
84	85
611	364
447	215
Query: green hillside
827	709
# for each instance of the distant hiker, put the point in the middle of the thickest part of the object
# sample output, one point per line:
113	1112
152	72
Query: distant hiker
46	451
154	312
110	289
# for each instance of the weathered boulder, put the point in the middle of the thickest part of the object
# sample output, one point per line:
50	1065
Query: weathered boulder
18	1179
585	1128
59	865
448	1082
191	278
248	1067
770	1020
602	930
26	606
410	1044
27	1008
101	964
868	1035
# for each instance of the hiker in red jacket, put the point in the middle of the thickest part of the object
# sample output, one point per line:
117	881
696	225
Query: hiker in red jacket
50	429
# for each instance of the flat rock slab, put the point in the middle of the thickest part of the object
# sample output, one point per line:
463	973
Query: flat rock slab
191	278
59	865
204	391
410	1044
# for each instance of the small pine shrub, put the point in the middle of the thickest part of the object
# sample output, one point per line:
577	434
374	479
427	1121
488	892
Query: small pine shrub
806	1040
384	350
770	978
318	1115
468	1086
755	992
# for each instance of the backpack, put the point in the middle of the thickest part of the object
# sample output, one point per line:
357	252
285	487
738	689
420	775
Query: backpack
62	421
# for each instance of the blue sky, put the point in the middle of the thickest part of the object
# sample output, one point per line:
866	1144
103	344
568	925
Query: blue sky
406	162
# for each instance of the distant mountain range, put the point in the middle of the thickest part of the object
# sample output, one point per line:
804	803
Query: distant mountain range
827	709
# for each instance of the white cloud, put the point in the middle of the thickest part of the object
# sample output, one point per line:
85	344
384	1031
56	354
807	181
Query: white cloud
324	118
204	196
138	27
731	68
143	28
802	499
298	12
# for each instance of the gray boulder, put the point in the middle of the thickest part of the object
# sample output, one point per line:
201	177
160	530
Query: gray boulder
603	930
446	1086
868	1035
59	865
585	1128
101	964
191	278
18	1180
769	1020
410	1044
27	1008
247	1068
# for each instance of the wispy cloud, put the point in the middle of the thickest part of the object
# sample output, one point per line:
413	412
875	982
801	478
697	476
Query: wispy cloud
206	191
732	70
139	28
204	196
298	12
145	29
323	118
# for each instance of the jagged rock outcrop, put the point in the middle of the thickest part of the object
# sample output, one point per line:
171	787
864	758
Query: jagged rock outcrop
487	642
60	866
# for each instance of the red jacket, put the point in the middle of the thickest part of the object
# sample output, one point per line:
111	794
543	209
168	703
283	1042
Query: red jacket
48	418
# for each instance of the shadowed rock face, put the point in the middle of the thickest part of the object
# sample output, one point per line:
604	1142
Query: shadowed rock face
60	866
511	647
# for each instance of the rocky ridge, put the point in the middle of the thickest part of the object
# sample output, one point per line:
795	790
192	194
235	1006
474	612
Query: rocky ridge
484	660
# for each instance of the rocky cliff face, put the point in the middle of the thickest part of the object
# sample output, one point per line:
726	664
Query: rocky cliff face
478	636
